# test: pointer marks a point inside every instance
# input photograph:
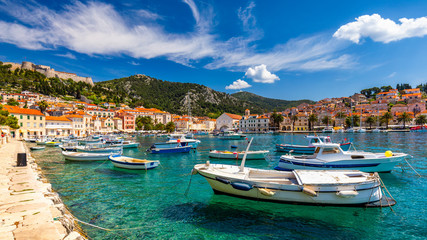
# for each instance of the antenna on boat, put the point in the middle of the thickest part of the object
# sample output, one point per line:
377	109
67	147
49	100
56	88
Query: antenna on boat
242	165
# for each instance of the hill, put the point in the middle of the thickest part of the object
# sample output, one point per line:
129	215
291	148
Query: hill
176	97
268	104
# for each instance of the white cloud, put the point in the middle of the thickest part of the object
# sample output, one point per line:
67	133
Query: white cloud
261	74
96	28
238	84
67	55
134	63
382	30
391	75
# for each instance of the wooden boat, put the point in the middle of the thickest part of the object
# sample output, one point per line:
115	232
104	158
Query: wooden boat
330	156
37	148
132	163
83	156
238	155
53	144
346	187
309	148
176	149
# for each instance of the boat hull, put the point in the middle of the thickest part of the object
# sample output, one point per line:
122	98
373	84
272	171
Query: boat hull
75	156
134	166
130	145
175	143
326	194
186	149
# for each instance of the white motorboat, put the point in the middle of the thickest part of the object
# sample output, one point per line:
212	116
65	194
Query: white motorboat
309	148
350	130
84	156
37	148
376	130
238	155
330	156
346	187
328	130
132	163
125	144
231	135
361	130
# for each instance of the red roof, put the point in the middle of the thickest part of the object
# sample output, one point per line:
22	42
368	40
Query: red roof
18	110
234	116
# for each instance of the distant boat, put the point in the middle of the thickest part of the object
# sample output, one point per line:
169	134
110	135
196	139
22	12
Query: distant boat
53	144
231	135
177	139
419	129
329	156
309	148
238	155
37	148
328	130
176	149
132	163
350	130
84	156
376	130
125	144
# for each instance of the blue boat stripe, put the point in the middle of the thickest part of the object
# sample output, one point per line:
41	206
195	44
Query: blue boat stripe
329	165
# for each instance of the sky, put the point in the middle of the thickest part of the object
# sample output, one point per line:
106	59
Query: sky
278	49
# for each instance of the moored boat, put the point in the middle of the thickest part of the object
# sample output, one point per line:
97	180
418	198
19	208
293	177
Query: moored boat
231	135
53	144
132	163
238	155
331	157
176	149
37	148
84	156
125	144
309	148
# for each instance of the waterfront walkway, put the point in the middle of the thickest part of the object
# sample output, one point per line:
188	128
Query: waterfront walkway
28	207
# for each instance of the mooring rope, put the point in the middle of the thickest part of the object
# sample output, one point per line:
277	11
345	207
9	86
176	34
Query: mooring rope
383	185
188	187
412	167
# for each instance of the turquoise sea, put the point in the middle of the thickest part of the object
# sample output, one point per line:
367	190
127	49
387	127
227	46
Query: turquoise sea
152	204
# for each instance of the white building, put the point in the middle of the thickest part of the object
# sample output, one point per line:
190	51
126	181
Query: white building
228	121
58	126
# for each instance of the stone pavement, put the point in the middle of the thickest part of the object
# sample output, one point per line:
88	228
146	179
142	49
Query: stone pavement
29	209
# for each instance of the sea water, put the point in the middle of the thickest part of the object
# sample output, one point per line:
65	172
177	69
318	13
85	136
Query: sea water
140	204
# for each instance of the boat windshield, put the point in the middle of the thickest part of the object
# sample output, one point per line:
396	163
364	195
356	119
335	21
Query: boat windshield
314	140
330	150
328	140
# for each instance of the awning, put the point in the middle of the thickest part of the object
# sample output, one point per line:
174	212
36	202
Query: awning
5	131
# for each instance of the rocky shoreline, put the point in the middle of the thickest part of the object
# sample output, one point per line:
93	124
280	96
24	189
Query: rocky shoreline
29	208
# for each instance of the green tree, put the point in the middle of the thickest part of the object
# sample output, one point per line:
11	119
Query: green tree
7	120
12	102
385	118
326	120
294	118
43	105
159	126
144	123
312	118
404	117
370	120
276	119
170	127
421	120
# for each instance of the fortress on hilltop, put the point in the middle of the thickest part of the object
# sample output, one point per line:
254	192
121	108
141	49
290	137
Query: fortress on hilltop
49	72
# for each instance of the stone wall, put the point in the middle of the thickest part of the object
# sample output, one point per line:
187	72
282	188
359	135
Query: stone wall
50	72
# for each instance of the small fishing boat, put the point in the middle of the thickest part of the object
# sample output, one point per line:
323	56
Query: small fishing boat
309	148
419	129
53	144
346	187
37	148
176	149
69	146
132	163
231	135
328	130
84	156
330	156
238	155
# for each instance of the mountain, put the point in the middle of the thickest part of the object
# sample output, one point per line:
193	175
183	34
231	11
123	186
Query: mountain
176	97
268	104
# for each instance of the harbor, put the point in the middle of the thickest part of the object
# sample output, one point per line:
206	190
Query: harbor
169	202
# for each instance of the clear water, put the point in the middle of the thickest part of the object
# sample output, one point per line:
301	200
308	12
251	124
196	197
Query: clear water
152	204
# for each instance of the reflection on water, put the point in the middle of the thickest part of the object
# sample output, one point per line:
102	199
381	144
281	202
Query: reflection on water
152	204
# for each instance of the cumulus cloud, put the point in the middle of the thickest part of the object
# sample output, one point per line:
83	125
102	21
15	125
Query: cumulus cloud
261	74
96	28
238	84
382	30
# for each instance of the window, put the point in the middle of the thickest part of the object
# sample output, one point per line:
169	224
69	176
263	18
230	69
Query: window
34	117
41	118
21	124
41	125
21	117
28	124
28	117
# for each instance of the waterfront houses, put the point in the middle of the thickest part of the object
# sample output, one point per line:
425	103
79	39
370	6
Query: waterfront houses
254	122
30	121
228	121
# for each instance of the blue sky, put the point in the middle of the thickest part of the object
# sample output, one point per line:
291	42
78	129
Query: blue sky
279	49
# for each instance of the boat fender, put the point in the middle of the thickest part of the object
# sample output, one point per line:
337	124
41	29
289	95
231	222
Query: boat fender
266	192
347	194
194	171
388	153
223	180
309	191
241	186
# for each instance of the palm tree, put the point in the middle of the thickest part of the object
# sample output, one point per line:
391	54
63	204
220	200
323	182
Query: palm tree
43	105
311	120
386	117
421	120
276	119
404	117
370	120
326	120
294	118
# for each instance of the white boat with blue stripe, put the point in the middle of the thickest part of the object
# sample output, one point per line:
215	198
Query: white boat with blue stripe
331	157
133	163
